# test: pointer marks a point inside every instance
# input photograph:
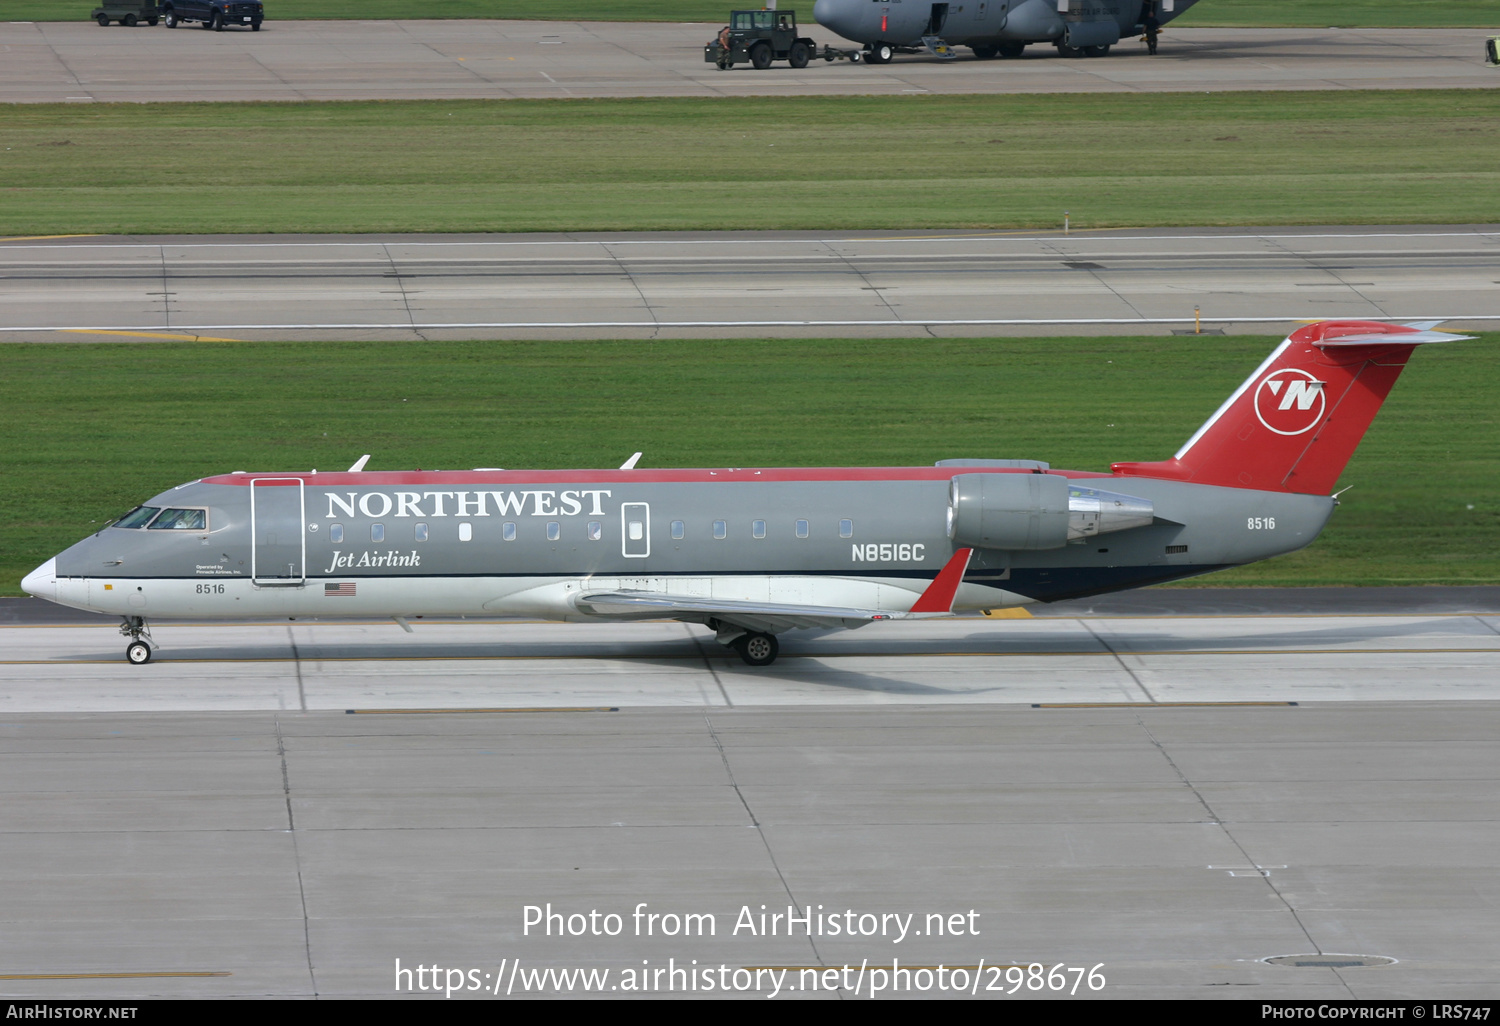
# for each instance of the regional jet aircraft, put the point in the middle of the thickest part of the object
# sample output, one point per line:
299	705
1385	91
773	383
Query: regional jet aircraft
991	28
748	552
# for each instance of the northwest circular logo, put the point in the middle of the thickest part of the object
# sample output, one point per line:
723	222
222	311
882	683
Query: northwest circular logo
1289	402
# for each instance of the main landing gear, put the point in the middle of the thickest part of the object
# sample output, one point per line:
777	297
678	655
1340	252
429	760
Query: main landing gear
138	652
757	648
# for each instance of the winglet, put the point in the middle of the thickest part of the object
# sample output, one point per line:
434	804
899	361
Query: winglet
359	464
938	598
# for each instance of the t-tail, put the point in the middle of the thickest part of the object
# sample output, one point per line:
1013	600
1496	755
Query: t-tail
1294	423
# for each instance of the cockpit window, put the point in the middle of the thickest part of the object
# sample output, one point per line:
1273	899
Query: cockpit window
181	520
138	516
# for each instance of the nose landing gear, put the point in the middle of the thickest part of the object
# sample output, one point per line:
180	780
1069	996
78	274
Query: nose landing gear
138	652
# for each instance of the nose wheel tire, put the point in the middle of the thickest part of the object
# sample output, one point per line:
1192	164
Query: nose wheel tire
881	53
138	653
757	649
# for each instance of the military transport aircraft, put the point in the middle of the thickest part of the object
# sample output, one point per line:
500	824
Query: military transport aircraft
750	552
991	28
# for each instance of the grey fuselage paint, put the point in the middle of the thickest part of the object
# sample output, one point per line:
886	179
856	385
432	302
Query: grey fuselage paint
898	540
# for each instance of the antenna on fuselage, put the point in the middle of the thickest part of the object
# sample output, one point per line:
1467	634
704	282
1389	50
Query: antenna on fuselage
359	464
630	463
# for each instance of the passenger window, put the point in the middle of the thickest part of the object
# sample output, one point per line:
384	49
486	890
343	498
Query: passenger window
596	530
466	531
180	520
721	529
138	517
802	529
421	532
758	528
377	532
554	530
846	529
637	530
508	531
678	530
336	533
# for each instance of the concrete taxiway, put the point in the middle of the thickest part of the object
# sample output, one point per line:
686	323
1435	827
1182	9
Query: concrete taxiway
288	809
349	60
656	285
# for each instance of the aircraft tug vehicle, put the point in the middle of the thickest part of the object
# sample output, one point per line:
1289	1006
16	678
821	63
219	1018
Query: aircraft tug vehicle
750	553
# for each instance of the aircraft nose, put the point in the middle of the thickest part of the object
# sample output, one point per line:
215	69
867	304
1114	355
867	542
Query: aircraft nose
42	582
835	15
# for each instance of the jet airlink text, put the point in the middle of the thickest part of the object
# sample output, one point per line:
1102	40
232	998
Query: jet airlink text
469	504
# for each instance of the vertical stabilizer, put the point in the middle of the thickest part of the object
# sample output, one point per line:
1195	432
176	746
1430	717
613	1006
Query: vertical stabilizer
1294	423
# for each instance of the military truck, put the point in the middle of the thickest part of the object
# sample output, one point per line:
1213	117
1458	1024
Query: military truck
760	37
126	13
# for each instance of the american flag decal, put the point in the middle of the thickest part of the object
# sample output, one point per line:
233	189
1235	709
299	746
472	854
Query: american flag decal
331	590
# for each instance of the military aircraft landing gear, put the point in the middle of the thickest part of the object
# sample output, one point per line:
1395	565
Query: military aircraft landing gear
138	652
757	649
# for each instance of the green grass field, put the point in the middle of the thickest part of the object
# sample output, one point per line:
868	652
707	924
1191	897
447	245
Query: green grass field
92	430
805	162
1318	13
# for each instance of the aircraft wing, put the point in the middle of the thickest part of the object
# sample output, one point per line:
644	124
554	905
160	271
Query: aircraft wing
772	617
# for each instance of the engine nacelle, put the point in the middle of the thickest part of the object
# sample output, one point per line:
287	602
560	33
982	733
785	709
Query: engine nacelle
1036	511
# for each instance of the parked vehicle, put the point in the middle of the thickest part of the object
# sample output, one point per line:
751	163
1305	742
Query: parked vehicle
214	14
126	13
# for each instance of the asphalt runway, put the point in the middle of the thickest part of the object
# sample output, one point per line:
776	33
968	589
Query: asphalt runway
288	809
695	285
78	62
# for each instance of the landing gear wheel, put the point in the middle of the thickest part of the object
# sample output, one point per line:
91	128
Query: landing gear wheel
985	53
760	56
103	20
757	649
797	55
1096	51
138	653
171	17
1064	50
881	53
1010	51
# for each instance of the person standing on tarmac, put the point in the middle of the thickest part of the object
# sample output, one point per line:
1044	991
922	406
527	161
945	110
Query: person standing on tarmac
1153	29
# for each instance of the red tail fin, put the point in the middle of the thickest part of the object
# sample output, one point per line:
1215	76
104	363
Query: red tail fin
1294	423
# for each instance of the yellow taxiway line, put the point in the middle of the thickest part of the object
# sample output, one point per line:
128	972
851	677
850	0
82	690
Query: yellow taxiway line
148	334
